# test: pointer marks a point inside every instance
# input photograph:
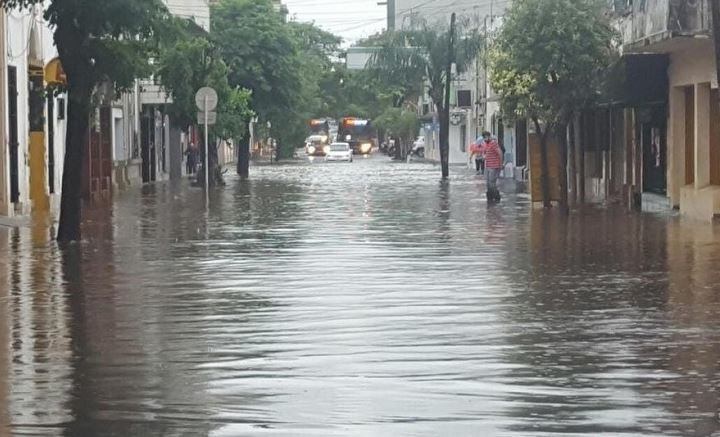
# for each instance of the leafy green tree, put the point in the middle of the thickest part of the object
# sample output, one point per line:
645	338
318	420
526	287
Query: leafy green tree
98	41
401	124
547	63
189	62
410	61
258	48
353	93
315	50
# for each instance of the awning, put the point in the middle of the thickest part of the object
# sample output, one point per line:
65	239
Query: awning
637	80
54	73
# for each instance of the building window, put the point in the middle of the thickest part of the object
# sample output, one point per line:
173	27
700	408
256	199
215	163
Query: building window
463	137
464	99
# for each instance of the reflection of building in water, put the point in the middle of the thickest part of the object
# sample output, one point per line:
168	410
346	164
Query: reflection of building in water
694	311
35	341
5	326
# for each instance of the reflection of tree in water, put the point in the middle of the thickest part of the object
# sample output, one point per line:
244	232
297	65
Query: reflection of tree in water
195	277
5	332
418	218
128	364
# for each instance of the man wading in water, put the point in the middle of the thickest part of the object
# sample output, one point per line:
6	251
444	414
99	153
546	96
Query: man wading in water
493	154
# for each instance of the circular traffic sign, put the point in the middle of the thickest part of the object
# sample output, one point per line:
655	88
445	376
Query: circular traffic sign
206	99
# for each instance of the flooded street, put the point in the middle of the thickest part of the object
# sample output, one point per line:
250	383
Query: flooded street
362	299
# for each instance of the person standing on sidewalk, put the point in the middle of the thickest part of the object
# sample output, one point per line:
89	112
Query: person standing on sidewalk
493	165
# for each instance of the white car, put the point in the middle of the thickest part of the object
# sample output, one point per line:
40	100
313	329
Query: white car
339	152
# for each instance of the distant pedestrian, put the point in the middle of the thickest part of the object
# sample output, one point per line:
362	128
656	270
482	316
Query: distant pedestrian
191	158
493	154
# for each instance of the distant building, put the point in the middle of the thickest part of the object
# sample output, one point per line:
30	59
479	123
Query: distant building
281	8
159	143
474	107
359	57
197	11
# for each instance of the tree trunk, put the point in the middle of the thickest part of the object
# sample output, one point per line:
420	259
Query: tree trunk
243	163
581	160
579	174
444	141
78	113
445	118
572	166
215	174
562	133
544	166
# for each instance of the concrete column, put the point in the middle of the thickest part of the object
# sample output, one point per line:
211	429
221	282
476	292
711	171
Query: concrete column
702	135
676	145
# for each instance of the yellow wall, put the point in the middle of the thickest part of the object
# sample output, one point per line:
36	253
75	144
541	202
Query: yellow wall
692	66
38	173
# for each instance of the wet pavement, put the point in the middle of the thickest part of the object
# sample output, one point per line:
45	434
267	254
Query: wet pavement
362	299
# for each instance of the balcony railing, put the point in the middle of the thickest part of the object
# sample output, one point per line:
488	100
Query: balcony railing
650	21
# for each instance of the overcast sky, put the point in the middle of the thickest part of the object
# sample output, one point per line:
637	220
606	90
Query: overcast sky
350	19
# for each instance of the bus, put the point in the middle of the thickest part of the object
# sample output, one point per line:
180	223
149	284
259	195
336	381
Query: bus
359	133
320	137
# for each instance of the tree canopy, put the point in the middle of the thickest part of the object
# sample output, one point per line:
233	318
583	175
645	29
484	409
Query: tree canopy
408	61
258	49
547	63
400	123
547	59
189	62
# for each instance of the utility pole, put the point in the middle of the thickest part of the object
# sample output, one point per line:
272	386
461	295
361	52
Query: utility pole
477	78
390	13
445	116
485	73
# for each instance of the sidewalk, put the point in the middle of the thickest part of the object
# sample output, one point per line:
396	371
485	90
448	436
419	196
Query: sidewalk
14	222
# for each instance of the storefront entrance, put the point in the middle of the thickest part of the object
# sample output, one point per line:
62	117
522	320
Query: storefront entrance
653	133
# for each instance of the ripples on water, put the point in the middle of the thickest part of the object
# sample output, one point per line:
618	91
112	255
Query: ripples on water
363	299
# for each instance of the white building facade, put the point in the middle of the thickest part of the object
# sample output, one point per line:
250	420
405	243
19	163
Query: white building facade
33	124
158	145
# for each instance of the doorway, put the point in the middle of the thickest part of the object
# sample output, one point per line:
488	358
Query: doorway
654	146
51	143
689	135
13	132
147	148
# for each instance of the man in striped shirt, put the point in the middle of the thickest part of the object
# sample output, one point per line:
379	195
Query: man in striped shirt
493	154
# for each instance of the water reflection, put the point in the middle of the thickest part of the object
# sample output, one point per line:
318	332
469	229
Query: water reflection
5	334
362	299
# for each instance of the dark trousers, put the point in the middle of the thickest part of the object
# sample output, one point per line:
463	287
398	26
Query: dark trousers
480	165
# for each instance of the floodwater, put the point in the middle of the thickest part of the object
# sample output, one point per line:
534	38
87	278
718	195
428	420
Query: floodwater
362	299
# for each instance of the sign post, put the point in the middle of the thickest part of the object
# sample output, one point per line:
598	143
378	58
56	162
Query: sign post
206	100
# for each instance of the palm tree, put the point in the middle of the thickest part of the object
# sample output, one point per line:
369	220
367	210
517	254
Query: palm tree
416	60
